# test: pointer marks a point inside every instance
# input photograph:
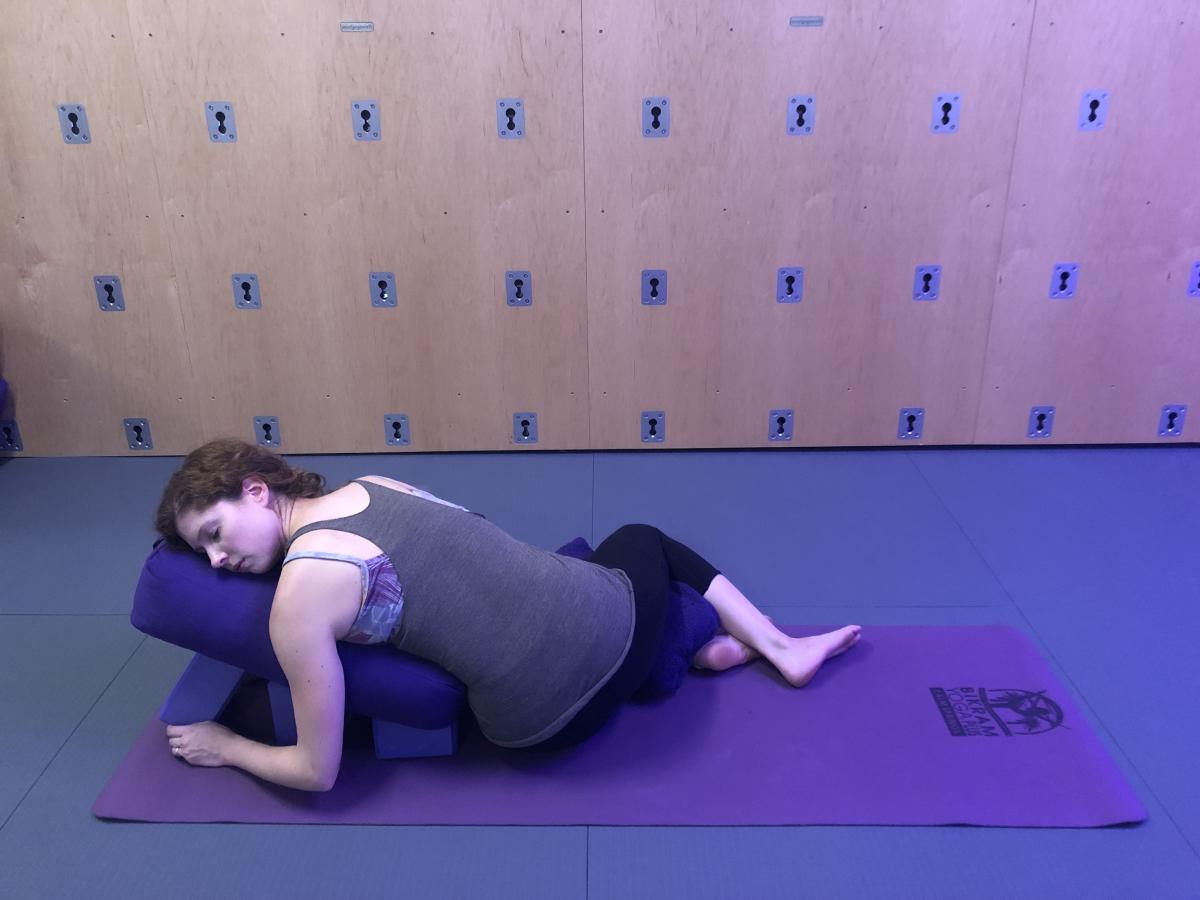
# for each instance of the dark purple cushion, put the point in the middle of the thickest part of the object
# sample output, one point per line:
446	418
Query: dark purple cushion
183	600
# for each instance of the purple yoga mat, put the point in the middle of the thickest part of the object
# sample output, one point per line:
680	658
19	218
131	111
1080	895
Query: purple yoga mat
913	726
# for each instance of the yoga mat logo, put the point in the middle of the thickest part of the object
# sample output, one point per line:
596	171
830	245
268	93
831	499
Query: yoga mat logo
978	712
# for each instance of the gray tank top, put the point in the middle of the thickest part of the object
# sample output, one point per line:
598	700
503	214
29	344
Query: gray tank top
531	634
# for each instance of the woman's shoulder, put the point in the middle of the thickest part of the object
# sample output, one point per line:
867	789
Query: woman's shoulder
341	503
347	500
387	482
318	591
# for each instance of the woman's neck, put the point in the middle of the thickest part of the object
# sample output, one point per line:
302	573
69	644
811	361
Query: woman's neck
292	514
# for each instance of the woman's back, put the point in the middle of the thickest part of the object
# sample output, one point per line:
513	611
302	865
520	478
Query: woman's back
533	635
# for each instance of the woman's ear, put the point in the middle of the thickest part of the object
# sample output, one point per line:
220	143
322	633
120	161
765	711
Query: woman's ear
256	489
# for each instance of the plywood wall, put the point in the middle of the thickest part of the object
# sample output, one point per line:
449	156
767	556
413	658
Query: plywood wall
585	202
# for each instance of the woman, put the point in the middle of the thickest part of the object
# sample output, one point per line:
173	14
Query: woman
548	646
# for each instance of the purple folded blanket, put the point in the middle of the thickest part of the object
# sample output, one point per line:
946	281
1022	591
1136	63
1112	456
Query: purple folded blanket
183	600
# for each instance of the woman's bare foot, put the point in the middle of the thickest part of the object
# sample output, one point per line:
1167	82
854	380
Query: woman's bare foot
724	652
800	659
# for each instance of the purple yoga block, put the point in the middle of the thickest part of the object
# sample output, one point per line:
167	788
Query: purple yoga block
202	691
396	741
283	717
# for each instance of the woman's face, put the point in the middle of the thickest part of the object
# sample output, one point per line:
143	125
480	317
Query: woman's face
243	535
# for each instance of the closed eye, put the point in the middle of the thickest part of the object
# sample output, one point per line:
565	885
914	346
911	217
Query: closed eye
200	550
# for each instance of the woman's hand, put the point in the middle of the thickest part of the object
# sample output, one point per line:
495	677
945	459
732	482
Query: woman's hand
202	744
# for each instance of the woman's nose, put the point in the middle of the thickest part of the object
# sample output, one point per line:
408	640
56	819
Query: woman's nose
215	559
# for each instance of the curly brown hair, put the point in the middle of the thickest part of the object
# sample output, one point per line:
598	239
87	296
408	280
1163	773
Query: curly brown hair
215	472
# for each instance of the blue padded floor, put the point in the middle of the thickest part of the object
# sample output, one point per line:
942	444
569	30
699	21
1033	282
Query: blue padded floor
1090	551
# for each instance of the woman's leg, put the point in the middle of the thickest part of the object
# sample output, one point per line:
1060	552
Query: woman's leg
797	659
751	633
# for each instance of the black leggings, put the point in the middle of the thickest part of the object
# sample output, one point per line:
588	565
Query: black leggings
652	561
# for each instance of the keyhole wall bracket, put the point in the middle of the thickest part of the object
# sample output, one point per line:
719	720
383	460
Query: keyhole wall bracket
396	432
927	283
654	426
1041	422
801	115
510	118
789	284
656	117
945	113
109	294
1093	110
364	115
518	287
221	127
72	118
525	429
266	431
137	434
1063	284
912	424
1170	423
780	428
10	437
654	287
383	289
245	291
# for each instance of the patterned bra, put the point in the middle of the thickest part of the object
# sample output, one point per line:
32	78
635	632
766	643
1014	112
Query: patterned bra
382	602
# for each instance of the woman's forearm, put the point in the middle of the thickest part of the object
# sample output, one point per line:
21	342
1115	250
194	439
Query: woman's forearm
279	765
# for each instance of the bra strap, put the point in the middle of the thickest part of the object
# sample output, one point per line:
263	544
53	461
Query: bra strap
318	554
